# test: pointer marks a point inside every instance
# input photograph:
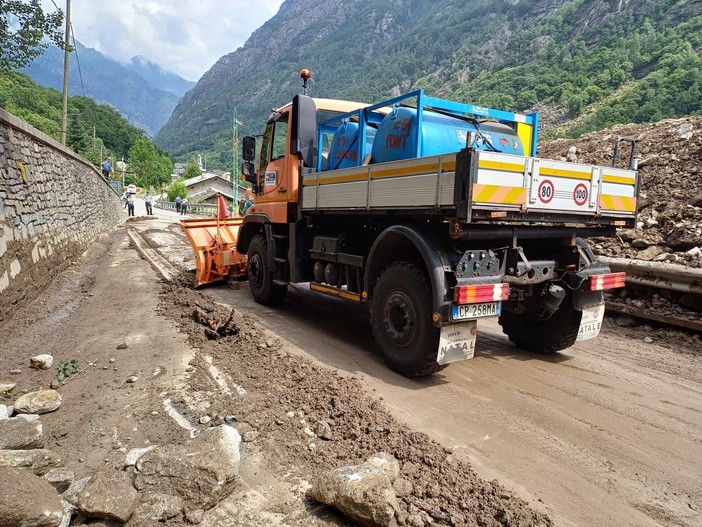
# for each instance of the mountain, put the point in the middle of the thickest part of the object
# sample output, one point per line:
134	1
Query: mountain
584	64
146	104
159	78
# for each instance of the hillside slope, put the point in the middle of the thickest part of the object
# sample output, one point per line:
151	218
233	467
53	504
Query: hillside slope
560	57
108	82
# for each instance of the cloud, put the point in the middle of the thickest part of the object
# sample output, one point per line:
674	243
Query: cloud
183	36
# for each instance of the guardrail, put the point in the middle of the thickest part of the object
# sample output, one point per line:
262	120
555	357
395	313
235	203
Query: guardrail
204	209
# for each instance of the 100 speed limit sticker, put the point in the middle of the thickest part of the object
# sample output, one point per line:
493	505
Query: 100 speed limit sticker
580	194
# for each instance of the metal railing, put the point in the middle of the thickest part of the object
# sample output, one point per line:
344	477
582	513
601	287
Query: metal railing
204	209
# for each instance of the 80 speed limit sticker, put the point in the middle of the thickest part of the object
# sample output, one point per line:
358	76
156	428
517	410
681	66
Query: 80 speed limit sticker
546	191
580	194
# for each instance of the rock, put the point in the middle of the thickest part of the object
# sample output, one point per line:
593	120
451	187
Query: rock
308	431
18	434
41	402
112	360
135	453
15	372
4	414
572	155
60	478
132	379
122	346
648	340
74	490
323	430
194	516
205	419
7	386
250	436
363	492
41	362
55	384
201	471
403	487
27	500
109	495
155	507
695	251
685	131
650	253
38	460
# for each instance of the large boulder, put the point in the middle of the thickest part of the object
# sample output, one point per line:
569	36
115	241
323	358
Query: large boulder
26	500
201	471
109	495
41	402
20	433
364	493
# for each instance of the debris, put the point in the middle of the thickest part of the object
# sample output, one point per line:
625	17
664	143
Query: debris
41	362
217	325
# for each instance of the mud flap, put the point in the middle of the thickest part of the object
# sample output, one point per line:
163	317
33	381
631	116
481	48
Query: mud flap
457	342
590	322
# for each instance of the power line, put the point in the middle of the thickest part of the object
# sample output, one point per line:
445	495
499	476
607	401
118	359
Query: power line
75	48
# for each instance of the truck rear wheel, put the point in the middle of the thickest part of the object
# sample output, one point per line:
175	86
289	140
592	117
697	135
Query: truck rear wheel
543	336
401	313
260	276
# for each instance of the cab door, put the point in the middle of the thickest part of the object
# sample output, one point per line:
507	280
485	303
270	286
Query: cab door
277	171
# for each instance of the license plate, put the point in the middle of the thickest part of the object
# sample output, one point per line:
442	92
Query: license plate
468	311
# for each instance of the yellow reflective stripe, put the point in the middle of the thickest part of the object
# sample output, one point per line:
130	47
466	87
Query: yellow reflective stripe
558	172
501	165
447	166
325	180
499	194
335	292
618	203
407	171
619	179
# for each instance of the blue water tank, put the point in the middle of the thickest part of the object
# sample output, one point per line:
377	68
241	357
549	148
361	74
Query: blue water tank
343	152
441	134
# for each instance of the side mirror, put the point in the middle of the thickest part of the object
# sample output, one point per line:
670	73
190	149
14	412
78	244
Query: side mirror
303	138
248	148
248	170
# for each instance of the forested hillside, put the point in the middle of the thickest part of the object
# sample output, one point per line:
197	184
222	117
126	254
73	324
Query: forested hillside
41	107
584	64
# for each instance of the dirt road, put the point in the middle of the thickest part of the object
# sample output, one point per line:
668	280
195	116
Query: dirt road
608	433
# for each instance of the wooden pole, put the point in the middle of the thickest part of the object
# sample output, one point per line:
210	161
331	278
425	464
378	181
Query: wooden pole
66	59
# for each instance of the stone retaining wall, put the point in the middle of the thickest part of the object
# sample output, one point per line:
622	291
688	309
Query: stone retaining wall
53	205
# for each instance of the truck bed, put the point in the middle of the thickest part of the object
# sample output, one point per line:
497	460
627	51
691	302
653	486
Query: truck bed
486	186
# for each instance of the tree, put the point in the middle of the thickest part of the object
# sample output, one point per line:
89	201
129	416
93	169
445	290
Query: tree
192	169
177	188
150	166
23	25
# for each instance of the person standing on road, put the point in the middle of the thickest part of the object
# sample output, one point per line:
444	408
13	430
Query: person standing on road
148	201
106	168
130	204
184	207
178	201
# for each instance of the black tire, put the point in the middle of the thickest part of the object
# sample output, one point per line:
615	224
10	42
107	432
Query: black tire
401	312
260	276
543	336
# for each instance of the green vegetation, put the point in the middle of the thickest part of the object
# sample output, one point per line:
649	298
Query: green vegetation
94	131
23	25
191	170
177	188
590	64
66	369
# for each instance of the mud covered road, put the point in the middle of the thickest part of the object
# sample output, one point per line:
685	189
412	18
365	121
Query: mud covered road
607	433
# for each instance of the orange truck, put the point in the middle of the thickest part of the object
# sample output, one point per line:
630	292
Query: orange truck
434	213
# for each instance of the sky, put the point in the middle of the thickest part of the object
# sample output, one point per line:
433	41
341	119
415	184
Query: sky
182	36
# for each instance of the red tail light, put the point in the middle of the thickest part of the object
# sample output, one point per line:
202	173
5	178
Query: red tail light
475	294
607	281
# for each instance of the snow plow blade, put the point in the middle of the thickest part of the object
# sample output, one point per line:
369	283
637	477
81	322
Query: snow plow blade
214	243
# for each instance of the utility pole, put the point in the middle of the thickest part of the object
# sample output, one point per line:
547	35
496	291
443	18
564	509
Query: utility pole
235	167
66	59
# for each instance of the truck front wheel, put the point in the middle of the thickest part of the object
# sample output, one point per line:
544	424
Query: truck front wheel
260	276
401	313
543	336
